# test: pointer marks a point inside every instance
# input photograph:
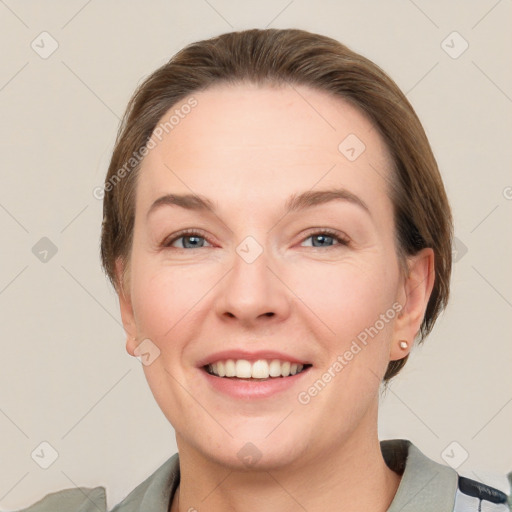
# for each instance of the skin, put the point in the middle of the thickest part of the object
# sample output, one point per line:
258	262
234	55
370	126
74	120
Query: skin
248	148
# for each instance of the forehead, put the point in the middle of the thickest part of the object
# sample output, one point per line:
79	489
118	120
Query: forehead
263	142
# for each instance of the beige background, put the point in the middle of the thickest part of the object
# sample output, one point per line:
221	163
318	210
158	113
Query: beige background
66	378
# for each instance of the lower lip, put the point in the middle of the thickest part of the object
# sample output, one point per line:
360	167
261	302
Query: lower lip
251	389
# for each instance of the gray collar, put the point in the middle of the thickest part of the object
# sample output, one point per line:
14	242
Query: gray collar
425	484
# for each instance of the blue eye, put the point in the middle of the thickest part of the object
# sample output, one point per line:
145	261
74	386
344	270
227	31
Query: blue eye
323	237
193	236
195	239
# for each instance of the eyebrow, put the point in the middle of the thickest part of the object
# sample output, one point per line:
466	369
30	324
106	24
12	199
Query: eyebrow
296	202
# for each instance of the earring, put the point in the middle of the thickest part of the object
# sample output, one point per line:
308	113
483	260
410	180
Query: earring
403	344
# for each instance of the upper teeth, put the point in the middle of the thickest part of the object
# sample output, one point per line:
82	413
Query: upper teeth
260	369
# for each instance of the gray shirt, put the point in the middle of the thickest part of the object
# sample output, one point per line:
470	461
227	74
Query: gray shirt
426	486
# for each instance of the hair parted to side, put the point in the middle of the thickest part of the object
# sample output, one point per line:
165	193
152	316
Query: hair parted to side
296	57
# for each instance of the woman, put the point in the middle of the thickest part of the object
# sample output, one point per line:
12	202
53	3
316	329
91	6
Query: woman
279	236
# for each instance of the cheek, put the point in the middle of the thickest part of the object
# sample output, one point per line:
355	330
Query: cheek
168	299
161	299
347	301
349	295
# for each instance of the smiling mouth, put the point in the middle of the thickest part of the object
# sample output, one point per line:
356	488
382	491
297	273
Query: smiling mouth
207	369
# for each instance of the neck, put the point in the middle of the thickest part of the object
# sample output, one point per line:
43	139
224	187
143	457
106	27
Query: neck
352	476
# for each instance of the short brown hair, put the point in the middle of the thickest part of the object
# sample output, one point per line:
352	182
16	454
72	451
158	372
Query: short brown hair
274	56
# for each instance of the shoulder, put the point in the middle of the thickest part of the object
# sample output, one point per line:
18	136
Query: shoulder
81	499
429	485
152	495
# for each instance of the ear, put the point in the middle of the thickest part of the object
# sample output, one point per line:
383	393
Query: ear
125	305
414	295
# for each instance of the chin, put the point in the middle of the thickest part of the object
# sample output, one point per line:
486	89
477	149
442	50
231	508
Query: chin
256	449
249	456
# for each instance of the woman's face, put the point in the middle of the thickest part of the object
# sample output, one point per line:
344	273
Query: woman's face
262	279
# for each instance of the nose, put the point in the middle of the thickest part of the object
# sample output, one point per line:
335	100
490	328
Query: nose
254	292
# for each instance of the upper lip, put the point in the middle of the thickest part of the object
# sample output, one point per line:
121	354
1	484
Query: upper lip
249	356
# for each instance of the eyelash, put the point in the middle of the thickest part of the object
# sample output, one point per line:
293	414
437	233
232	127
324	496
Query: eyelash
336	235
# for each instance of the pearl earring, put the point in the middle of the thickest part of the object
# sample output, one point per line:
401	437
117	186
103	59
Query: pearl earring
404	344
